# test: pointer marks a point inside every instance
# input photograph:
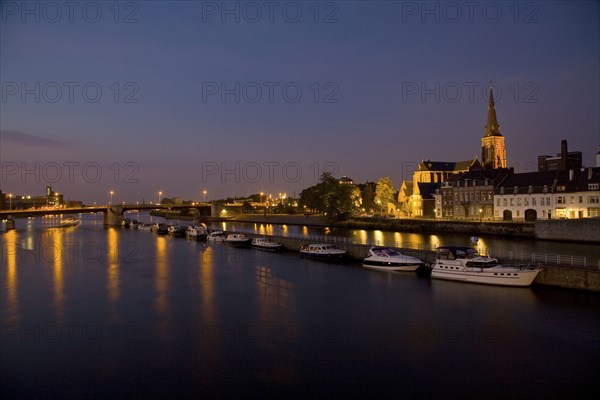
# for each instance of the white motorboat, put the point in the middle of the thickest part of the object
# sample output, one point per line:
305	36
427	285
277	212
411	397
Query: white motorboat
464	264
322	251
263	243
216	236
196	232
238	239
389	259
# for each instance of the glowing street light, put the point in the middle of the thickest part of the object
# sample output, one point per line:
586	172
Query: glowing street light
261	196
111	195
204	196
159	194
10	200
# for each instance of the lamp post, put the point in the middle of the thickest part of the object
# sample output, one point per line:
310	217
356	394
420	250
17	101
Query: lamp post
10	200
480	214
261	196
111	195
159	194
204	196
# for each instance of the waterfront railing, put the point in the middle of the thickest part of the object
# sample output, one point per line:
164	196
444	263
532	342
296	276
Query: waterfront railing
429	248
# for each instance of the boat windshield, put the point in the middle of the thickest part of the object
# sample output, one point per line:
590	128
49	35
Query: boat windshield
386	252
452	253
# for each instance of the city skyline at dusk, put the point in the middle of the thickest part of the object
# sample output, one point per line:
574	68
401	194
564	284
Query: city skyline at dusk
235	99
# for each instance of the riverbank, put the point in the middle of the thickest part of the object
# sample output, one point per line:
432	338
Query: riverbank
513	229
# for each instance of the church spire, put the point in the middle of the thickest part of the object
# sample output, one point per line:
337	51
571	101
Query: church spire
492	128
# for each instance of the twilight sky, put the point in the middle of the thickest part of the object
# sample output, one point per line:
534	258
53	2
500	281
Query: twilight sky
242	97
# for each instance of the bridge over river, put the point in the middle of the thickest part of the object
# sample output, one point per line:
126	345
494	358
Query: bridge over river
113	214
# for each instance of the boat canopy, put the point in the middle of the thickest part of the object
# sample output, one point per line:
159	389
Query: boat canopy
454	252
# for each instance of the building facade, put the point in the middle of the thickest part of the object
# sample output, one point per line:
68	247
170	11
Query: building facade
470	195
548	194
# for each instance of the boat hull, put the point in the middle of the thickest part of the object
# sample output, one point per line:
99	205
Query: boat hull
238	243
272	249
323	256
384	266
518	278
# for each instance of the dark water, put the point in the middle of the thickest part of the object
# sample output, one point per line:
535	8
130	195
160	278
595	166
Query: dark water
88	312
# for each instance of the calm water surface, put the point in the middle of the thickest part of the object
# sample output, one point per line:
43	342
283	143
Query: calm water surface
88	312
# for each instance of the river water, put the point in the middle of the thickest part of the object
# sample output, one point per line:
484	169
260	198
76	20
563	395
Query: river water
89	312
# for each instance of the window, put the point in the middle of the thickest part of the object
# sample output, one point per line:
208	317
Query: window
580	199
498	202
533	201
526	201
519	202
477	196
572	199
542	203
593	186
512	201
560	200
593	199
593	212
548	201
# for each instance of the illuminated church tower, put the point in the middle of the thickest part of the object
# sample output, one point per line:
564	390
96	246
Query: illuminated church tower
493	153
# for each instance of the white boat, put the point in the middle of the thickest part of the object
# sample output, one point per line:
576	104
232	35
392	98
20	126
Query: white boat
196	232
263	243
69	222
322	251
464	264
216	236
389	259
237	239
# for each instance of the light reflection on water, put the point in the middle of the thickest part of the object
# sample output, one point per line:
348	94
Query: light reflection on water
163	312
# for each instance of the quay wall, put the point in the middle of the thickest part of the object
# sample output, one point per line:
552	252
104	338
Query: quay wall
500	228
576	230
569	277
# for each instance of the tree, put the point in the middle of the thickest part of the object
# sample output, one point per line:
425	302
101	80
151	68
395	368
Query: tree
329	197
384	193
367	191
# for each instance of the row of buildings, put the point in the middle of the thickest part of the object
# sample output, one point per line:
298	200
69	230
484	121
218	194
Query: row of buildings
488	190
51	199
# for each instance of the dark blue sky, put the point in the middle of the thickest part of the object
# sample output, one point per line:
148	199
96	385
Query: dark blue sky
384	85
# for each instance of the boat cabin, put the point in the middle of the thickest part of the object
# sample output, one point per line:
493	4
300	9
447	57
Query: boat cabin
455	252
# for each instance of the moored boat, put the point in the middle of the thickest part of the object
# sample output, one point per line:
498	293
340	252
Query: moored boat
176	230
322	251
160	229
237	239
390	259
263	243
216	236
464	264
196	232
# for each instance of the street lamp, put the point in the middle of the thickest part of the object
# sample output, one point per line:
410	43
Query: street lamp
10	200
261	196
480	214
111	195
204	196
159	194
